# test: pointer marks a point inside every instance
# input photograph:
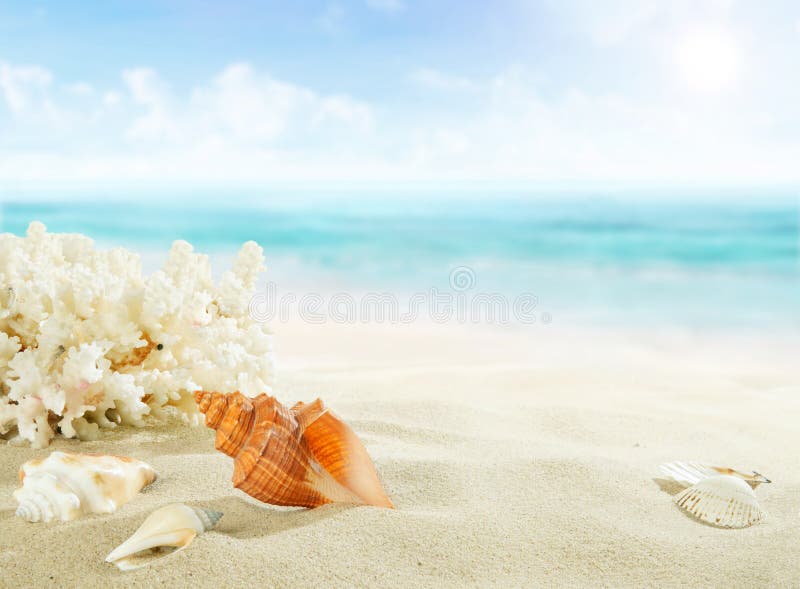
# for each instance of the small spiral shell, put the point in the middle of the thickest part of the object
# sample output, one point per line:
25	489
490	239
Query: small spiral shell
208	517
174	525
46	496
65	486
33	511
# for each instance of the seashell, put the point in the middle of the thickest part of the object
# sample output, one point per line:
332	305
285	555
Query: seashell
65	486
173	526
690	473
304	456
726	501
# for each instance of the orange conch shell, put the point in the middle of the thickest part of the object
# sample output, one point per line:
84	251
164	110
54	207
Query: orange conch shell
304	456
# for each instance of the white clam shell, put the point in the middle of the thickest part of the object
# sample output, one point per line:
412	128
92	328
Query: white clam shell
66	486
174	525
724	500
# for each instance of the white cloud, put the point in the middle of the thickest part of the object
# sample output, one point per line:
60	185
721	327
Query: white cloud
110	98
521	135
22	86
440	146
250	105
431	78
238	107
241	104
241	125
79	89
345	109
145	85
390	6
614	22
245	126
708	59
147	90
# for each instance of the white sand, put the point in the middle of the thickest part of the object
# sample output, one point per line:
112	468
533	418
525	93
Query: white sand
516	458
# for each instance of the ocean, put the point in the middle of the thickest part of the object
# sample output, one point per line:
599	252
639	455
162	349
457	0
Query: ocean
693	262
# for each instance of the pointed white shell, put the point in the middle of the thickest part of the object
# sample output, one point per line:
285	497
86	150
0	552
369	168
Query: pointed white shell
725	501
65	486
690	473
174	525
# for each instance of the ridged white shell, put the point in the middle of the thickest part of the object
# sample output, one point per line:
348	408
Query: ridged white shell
65	486
725	501
174	525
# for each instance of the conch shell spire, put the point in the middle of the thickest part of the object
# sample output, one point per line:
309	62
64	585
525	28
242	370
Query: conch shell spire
300	456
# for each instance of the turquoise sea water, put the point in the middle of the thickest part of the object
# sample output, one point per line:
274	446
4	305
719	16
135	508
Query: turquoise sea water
692	262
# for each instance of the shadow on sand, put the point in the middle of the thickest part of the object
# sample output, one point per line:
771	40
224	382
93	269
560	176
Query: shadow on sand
669	486
243	519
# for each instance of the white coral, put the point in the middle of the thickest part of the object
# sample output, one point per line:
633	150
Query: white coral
87	342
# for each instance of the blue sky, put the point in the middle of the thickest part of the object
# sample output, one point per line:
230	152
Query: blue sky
392	91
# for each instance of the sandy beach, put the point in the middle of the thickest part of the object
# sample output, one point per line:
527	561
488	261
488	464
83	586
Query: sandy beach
515	458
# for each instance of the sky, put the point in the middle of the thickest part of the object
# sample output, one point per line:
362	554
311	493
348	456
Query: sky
381	92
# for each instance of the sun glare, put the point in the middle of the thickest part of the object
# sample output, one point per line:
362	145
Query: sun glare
708	60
